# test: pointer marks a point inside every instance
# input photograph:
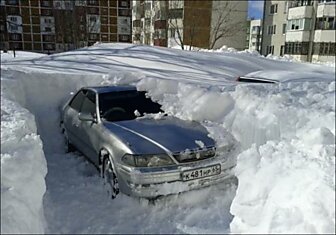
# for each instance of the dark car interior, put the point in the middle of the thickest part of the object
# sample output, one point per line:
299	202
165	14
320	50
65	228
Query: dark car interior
120	106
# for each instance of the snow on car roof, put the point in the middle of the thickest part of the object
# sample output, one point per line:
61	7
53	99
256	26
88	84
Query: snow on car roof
105	89
289	76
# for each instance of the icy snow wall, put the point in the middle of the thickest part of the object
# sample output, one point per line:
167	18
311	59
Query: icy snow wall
30	105
23	168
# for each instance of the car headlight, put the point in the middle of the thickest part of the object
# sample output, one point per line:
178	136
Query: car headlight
225	148
153	160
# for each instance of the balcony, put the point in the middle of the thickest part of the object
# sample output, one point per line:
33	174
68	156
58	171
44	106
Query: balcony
297	36
300	3
324	36
326	9
300	12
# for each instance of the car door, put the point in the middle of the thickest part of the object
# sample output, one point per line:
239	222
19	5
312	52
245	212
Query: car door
71	121
88	129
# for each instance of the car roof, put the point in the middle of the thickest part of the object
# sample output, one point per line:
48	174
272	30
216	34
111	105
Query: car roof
106	89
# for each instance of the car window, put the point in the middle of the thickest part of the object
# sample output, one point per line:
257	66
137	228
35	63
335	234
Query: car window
77	101
119	106
89	103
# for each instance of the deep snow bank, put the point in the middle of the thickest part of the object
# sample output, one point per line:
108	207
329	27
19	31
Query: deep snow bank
286	187
23	168
287	172
286	130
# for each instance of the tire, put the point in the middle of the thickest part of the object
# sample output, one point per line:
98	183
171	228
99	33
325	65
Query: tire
110	178
68	147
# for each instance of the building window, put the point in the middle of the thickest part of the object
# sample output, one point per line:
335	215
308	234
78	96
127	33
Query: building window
123	12
93	37
300	3
49	46
270	50
93	19
324	48
271	29
123	4
15	37
326	1
46	12
57	4
175	13
286	7
45	3
13	19
136	23
326	23
284	26
299	24
48	38
13	2
93	10
47	20
47	29
124	38
13	27
273	9
255	29
295	24
282	50
92	2
296	48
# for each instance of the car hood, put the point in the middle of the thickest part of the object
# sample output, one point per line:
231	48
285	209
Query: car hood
149	136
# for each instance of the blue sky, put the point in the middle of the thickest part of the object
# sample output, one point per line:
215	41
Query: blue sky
255	9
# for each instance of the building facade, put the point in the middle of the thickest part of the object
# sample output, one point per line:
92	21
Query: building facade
304	29
204	24
50	26
254	35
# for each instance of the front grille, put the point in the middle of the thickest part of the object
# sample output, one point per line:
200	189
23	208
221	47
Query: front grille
195	155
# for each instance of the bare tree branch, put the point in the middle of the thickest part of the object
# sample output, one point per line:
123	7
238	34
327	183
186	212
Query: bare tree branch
223	26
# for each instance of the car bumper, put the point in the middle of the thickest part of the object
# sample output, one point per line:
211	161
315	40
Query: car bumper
151	183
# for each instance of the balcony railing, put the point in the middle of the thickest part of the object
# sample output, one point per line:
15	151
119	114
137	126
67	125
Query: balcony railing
301	3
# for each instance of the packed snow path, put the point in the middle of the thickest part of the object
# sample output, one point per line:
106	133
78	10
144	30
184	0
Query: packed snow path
75	202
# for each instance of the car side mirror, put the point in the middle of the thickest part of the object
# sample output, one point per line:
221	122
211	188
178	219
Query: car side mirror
86	117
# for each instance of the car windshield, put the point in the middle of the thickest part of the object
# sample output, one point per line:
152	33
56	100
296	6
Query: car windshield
125	105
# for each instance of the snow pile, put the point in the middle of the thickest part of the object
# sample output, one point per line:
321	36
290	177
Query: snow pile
23	168
287	172
19	55
282	133
286	187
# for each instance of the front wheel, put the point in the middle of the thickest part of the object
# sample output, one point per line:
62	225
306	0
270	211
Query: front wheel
110	179
68	147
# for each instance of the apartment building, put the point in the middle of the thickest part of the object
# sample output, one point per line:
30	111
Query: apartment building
274	27
304	29
204	24
254	35
50	26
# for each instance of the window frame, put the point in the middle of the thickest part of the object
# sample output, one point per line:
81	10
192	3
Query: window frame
93	99
73	100
273	7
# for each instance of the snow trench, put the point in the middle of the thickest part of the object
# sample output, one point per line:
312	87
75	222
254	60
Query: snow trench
285	168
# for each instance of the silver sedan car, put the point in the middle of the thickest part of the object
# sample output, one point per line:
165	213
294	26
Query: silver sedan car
137	154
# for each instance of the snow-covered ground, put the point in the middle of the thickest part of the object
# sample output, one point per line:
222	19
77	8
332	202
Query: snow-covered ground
285	134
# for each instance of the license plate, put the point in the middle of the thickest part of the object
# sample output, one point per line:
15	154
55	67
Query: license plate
201	172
